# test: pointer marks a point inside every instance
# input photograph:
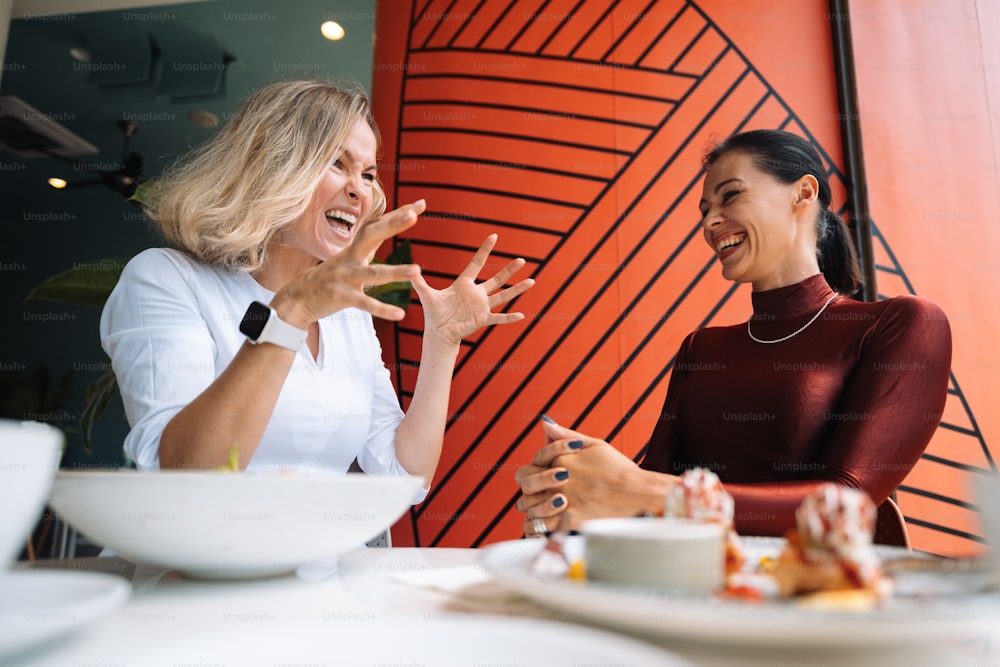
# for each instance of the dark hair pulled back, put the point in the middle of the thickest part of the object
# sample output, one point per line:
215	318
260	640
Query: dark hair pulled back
788	157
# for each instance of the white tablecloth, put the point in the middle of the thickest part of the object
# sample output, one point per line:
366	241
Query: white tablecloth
390	607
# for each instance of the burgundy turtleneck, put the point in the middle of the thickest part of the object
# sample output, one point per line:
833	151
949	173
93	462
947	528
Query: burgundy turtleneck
853	399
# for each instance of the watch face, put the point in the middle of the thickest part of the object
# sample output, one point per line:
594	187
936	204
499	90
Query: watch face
254	320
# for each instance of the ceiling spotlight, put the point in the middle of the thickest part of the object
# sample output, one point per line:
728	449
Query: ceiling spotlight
203	118
332	30
57	183
80	54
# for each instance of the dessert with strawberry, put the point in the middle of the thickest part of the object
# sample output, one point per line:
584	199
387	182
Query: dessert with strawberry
829	558
699	495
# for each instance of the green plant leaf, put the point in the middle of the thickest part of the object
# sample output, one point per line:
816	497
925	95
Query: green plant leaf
147	195
399	293
401	253
395	294
99	394
27	393
87	283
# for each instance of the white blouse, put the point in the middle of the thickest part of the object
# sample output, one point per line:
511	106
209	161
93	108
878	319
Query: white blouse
171	326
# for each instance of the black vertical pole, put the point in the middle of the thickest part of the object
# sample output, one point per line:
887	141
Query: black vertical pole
850	130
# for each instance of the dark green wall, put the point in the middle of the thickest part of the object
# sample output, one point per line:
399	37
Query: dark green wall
44	231
47	232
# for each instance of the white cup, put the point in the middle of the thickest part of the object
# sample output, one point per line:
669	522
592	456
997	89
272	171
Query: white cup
681	555
29	461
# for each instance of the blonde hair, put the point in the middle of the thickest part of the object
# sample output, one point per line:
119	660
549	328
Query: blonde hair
228	198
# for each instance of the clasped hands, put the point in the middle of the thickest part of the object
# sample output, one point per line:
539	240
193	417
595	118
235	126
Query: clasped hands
586	476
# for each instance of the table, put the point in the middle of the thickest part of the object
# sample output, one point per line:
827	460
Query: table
368	608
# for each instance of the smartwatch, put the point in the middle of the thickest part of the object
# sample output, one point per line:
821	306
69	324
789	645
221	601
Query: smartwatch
262	325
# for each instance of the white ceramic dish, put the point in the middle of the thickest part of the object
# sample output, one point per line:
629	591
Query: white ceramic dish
29	459
648	611
230	525
40	605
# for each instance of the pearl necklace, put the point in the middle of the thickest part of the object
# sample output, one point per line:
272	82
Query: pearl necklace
796	333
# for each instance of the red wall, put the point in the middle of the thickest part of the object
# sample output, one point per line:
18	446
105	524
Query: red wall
929	93
576	133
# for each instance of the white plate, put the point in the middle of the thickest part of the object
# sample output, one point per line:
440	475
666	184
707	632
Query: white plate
641	610
39	605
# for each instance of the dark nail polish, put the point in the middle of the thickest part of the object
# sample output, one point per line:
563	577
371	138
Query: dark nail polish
548	419
558	502
562	475
576	444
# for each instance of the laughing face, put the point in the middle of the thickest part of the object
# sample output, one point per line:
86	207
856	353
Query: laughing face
758	226
343	198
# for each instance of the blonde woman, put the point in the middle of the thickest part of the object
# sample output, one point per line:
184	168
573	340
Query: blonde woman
256	332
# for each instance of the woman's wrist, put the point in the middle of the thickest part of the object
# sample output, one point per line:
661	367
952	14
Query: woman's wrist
440	342
650	490
290	311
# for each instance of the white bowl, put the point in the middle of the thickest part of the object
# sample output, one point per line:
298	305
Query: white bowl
29	460
682	555
230	525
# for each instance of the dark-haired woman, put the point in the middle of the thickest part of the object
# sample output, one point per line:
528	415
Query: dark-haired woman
814	387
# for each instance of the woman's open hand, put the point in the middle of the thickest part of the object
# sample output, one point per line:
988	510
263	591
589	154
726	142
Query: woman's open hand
465	306
340	281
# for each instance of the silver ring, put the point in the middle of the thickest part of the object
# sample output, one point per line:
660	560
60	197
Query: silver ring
539	526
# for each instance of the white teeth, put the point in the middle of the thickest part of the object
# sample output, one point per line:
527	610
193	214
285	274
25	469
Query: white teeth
730	242
341	215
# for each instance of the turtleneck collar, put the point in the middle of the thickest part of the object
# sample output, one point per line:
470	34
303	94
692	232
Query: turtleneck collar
791	300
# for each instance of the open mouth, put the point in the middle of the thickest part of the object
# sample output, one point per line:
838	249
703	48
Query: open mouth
341	222
729	244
